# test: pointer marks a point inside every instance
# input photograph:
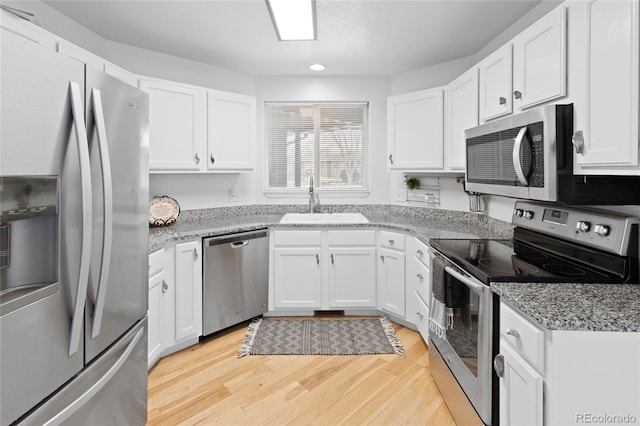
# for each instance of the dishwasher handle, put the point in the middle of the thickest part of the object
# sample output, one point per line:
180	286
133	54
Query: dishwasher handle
236	240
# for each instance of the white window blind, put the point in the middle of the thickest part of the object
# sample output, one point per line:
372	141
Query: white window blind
325	140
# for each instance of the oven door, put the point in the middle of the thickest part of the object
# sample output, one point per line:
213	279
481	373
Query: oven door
466	346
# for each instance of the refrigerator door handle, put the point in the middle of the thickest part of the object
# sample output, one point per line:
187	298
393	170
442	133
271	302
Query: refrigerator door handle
107	190
77	110
98	385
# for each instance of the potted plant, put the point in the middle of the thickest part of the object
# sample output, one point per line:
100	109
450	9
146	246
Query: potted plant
412	182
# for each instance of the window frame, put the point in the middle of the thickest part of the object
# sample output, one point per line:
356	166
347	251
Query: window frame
280	192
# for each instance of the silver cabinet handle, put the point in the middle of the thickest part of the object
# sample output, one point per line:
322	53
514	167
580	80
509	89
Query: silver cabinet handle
107	196
195	254
317	259
498	365
391	158
420	277
212	158
420	314
165	286
420	253
197	157
578	141
517	165
391	242
502	100
512	332
382	258
332	258
517	94
77	110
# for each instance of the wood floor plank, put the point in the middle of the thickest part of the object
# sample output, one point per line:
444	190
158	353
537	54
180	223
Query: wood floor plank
207	384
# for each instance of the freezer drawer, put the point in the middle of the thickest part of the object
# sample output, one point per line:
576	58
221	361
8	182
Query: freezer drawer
236	279
110	391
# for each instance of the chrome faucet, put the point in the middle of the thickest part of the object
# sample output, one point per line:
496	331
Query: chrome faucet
314	199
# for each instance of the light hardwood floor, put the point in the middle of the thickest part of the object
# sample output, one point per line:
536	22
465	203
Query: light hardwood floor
207	385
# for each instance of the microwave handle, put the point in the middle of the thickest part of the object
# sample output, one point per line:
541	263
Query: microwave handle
516	156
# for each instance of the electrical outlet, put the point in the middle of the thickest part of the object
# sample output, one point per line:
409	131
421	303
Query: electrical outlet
233	195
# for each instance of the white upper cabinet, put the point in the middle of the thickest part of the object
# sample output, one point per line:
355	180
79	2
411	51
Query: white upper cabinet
495	84
528	71
540	61
415	131
28	30
461	113
231	131
177	125
604	83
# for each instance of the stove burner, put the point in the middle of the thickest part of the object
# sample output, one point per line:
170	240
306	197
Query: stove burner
517	267
564	269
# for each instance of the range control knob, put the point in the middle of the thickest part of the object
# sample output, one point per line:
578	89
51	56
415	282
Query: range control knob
528	214
519	212
602	230
583	226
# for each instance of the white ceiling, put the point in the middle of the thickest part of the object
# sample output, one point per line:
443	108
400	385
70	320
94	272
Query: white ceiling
355	37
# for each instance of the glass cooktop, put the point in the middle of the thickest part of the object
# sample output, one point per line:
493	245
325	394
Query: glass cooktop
504	260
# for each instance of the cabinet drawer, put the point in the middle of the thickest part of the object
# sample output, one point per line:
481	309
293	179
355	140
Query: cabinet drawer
156	262
297	238
522	335
422	317
352	238
392	240
422	253
422	280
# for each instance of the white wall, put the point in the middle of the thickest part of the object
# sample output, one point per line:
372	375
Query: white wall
372	89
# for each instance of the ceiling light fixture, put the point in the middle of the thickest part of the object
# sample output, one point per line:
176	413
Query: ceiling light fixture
293	19
317	67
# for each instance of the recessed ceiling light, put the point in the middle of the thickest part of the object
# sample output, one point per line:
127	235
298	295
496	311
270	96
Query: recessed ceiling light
293	19
317	67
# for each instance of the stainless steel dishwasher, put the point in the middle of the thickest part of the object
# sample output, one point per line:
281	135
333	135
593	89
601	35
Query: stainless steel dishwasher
236	279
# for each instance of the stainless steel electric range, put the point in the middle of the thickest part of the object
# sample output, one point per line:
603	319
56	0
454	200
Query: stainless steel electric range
552	244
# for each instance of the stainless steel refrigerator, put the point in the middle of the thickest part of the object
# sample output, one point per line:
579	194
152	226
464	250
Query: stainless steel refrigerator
73	241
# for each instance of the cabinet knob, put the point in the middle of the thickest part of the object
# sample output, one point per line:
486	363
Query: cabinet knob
498	365
391	158
212	158
502	100
391	242
317	259
420	314
517	94
578	141
420	277
332	258
197	157
512	332
165	286
382	258
420	253
195	254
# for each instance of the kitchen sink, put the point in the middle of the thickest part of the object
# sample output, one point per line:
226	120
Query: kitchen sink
322	218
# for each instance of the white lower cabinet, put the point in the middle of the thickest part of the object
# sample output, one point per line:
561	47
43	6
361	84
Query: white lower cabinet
566	377
418	292
391	272
175	299
314	269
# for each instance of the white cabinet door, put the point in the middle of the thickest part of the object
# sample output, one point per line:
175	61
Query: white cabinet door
540	61
297	278
415	130
177	126
231	131
461	114
521	390
391	281
154	314
352	277
606	102
188	292
495	84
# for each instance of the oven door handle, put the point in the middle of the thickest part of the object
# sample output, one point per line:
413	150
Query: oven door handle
517	164
476	286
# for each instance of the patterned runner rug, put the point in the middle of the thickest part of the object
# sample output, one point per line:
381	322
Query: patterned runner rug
360	336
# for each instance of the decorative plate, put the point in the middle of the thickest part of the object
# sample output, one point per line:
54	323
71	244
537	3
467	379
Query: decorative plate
163	211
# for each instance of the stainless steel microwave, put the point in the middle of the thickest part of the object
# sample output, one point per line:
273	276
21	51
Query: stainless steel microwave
530	156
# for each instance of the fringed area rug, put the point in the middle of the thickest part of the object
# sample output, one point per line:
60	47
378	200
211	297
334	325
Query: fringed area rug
361	336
